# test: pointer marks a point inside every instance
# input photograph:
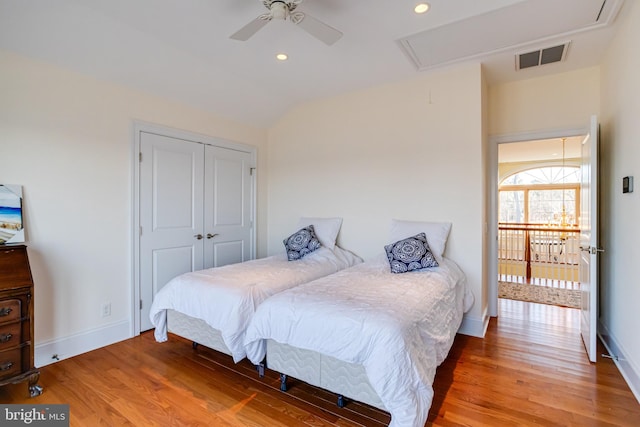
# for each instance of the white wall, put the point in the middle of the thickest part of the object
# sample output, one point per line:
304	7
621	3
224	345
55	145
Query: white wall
557	102
411	150
620	213
67	140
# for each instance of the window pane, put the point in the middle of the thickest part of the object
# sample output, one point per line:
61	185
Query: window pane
546	206
546	175
512	206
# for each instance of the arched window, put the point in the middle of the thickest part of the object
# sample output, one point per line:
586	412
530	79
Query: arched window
547	195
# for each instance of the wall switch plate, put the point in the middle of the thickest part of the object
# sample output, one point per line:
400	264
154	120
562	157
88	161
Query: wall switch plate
627	184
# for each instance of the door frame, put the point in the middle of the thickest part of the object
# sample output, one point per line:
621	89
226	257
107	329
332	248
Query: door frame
492	194
137	128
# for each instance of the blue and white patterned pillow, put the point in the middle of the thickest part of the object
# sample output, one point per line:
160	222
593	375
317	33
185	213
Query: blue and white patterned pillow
410	254
301	243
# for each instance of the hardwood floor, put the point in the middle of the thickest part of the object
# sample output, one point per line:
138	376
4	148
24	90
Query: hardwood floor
531	369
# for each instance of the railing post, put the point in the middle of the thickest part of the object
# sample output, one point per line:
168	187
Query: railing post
527	255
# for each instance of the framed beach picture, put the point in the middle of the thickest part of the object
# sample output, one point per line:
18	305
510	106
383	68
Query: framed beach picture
11	220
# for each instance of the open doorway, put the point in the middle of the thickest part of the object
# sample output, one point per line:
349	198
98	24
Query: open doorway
587	220
538	234
527	151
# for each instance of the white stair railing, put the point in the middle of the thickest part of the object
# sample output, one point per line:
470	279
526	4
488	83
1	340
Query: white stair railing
538	254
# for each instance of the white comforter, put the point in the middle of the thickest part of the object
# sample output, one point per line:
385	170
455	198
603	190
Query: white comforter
400	327
226	297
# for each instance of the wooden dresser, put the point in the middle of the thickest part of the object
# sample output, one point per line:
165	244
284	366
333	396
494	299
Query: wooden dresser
16	319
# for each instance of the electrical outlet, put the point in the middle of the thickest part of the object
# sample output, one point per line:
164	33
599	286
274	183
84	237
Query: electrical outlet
106	309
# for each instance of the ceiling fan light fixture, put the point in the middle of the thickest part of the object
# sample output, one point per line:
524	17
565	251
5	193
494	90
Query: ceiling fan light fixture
284	10
282	57
421	8
279	10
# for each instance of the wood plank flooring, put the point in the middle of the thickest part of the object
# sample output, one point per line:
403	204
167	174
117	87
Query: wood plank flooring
531	369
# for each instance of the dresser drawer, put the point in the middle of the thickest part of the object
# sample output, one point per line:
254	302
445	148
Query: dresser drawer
10	310
10	362
10	335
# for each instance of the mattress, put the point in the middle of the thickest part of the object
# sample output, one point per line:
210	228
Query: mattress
225	298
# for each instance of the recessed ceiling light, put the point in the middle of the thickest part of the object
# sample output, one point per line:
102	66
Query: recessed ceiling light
282	57
421	8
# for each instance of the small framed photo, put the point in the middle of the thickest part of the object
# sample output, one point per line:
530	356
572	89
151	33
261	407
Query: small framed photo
11	219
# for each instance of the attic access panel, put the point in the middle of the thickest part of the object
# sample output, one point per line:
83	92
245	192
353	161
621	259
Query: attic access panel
505	28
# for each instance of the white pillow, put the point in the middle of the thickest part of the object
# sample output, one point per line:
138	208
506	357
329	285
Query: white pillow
326	229
437	233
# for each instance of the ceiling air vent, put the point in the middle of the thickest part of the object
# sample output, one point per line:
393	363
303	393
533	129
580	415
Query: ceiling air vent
541	56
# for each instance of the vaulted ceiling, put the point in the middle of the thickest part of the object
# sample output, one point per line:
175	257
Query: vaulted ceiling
181	49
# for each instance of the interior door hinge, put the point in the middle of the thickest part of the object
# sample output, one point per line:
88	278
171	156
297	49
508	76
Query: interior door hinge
140	157
141	230
140	304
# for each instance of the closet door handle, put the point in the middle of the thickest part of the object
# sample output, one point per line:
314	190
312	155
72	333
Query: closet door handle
198	236
211	236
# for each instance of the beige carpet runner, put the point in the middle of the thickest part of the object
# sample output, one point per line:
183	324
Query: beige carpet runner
539	294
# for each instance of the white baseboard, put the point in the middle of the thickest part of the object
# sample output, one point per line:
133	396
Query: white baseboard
49	352
474	326
629	371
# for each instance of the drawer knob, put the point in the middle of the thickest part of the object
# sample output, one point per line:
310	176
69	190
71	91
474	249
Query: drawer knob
6	366
5	337
5	311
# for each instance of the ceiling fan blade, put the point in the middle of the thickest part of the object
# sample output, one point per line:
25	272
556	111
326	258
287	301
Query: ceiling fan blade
318	29
244	33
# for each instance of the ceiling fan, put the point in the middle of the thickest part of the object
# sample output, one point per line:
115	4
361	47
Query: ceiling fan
283	9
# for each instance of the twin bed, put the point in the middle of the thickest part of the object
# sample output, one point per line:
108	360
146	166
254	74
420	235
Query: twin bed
360	331
213	307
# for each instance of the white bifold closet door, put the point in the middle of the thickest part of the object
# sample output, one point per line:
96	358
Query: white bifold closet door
195	211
